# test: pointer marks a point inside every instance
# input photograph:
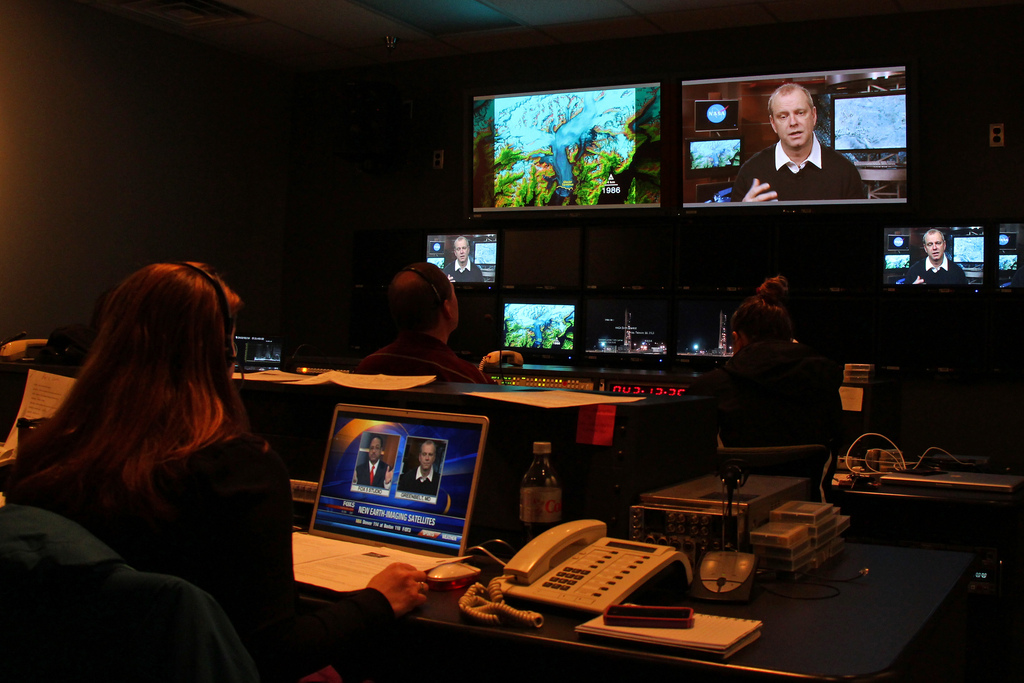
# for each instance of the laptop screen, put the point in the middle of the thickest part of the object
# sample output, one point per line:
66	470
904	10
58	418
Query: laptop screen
400	478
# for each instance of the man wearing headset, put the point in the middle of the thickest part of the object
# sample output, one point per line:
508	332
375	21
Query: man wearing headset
426	312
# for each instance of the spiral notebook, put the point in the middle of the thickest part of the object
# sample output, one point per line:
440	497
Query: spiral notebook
718	636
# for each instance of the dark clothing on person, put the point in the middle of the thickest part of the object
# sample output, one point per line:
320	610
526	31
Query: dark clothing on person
775	393
379	474
410	482
471	274
954	276
232	537
415	353
836	179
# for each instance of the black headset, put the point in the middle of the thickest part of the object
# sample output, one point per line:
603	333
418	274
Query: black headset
438	300
230	350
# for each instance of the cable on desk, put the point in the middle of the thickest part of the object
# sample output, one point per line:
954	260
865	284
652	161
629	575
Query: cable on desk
819	581
488	553
492	609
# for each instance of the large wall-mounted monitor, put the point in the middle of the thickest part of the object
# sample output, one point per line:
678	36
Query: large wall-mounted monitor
566	150
934	257
466	258
855	140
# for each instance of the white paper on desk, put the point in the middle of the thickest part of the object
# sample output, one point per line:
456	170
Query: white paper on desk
381	382
44	392
345	566
553	399
279	376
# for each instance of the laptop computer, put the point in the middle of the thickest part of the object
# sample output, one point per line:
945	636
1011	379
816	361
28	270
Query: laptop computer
967	481
427	517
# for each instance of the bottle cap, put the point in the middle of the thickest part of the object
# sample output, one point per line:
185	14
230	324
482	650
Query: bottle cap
541	447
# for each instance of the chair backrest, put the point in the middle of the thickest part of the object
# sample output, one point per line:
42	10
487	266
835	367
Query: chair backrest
811	461
76	611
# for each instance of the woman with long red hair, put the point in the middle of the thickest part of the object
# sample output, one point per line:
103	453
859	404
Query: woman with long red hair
151	452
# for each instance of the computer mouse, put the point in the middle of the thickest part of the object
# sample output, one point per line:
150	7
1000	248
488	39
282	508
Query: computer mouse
725	575
447	577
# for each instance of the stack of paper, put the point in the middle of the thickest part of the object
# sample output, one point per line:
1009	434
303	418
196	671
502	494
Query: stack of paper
719	636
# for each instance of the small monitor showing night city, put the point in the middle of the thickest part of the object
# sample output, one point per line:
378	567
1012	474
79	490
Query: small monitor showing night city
627	327
703	328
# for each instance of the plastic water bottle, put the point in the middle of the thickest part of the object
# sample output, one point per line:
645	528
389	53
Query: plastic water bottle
540	494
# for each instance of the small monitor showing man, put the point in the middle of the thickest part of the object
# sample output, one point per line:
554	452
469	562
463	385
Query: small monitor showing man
936	257
465	259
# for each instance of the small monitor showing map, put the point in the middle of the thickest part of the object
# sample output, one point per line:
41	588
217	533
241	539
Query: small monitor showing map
540	325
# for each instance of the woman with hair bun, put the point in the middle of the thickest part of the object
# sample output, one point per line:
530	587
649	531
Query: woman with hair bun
774	391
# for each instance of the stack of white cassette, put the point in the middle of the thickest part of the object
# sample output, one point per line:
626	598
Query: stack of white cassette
801	535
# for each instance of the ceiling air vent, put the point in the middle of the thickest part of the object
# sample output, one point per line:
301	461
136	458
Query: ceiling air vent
190	13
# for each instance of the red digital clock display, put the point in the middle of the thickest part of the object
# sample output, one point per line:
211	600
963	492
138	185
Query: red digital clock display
654	390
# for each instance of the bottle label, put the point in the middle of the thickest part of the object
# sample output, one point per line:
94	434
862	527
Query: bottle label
540	504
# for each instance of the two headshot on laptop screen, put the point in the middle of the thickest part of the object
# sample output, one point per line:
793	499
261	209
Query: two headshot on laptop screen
400	478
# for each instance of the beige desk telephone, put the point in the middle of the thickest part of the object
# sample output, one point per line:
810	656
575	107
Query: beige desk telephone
20	348
576	565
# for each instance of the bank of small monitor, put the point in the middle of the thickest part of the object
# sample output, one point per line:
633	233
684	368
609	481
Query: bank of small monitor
941	256
569	150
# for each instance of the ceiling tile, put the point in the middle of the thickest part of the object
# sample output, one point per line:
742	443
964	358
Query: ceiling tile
542	12
809	10
709	19
440	16
626	27
339	22
503	39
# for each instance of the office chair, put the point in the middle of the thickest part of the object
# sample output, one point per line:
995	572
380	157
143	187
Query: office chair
75	611
813	462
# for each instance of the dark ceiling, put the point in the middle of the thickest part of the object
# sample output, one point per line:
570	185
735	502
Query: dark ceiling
309	35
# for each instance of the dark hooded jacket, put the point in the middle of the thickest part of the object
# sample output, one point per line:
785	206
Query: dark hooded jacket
776	393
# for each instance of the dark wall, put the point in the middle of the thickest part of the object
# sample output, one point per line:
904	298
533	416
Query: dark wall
121	145
967	62
968	66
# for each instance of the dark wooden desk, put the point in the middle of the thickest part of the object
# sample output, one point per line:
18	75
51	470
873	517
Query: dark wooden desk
988	524
903	621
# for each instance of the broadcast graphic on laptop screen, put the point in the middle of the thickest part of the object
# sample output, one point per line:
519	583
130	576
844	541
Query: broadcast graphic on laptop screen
403	482
567	149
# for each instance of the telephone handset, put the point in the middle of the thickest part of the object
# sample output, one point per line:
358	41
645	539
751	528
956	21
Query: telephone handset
494	359
575	565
